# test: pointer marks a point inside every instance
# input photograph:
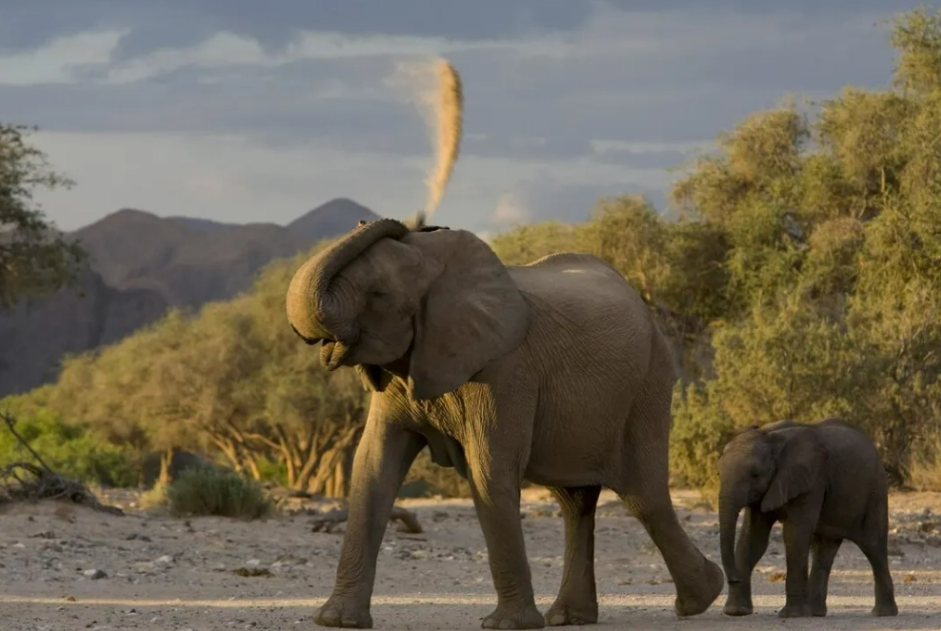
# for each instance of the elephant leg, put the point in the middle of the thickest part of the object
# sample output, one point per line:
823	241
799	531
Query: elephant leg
876	550
698	580
644	488
751	546
496	497
577	602
797	538
824	552
382	460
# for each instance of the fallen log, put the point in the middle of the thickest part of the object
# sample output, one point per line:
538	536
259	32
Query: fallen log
45	484
328	521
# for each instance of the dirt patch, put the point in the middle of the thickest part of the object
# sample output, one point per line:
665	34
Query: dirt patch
67	567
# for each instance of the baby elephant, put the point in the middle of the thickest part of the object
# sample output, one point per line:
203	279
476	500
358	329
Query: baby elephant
825	483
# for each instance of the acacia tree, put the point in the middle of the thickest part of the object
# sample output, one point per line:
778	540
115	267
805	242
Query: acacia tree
121	391
34	257
310	418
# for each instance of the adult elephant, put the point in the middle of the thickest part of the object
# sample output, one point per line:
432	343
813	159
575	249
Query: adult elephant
553	372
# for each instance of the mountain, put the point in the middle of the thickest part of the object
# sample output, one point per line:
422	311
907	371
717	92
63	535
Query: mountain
142	264
334	217
200	224
40	331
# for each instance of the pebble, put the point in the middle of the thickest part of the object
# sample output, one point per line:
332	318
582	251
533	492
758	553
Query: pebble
95	574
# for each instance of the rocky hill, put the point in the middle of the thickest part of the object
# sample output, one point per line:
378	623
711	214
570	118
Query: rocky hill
141	265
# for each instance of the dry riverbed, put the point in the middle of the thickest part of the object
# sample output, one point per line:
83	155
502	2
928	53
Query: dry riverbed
64	567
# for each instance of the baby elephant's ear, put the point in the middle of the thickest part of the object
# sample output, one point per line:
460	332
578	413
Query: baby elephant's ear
798	469
472	314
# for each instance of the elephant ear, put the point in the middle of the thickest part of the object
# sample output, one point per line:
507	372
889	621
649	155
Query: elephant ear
797	469
472	314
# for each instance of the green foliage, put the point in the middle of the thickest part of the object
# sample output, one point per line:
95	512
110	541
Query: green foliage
214	491
34	258
696	439
527	243
71	450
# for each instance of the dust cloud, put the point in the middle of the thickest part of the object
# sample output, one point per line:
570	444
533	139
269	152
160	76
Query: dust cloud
435	86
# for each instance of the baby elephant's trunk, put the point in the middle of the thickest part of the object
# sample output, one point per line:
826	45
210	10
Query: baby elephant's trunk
728	516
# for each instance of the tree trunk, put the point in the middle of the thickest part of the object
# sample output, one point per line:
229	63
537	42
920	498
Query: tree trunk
339	480
292	472
252	463
319	483
166	459
228	450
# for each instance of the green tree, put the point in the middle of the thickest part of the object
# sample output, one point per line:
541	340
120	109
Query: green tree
34	258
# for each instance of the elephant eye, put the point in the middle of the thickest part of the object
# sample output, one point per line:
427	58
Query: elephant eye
307	340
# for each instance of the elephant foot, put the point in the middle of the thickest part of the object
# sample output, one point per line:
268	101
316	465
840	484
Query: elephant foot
818	610
737	610
794	611
563	613
514	618
885	609
695	596
344	613
738	602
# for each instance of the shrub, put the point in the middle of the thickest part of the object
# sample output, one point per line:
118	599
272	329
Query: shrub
696	440
426	479
71	450
155	498
216	491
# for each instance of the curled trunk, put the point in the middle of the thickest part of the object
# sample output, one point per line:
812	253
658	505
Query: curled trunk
728	516
309	301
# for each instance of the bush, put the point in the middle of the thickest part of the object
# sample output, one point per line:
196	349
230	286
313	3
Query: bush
426	479
71	450
154	498
216	491
696	440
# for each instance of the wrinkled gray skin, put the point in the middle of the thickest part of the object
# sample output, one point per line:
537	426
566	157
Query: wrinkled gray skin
825	483
552	372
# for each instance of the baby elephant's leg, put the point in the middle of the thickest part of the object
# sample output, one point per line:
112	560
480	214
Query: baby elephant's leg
751	546
824	552
876	550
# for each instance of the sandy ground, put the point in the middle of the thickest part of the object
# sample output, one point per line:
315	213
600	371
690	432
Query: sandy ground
161	573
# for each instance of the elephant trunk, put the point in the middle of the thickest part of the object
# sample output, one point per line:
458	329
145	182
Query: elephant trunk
728	516
309	304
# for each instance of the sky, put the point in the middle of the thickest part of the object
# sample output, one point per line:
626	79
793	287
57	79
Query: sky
243	111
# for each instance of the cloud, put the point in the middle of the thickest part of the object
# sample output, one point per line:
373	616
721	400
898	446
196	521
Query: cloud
152	24
544	197
56	63
266	110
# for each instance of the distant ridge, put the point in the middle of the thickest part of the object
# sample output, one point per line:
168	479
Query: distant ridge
332	218
142	264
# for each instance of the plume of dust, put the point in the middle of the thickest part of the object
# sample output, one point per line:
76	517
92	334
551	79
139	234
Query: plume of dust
436	87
